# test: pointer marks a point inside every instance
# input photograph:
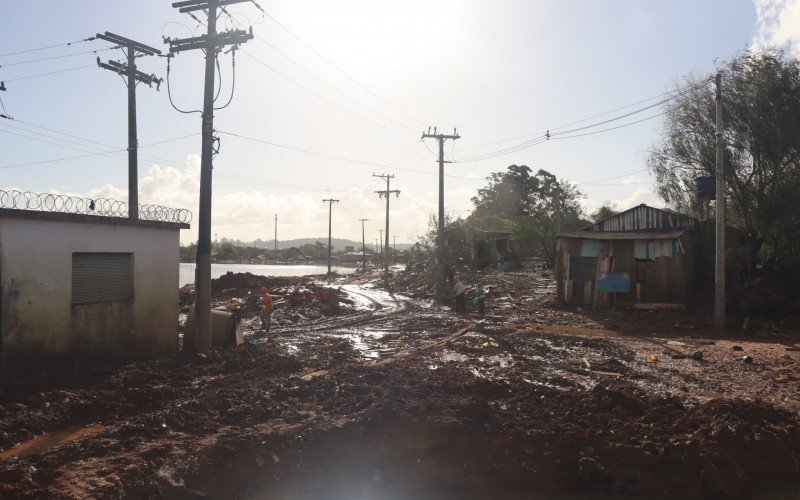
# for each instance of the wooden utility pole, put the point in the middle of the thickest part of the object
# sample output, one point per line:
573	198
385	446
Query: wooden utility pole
210	43
719	271
363	246
330	202
441	271
276	233
134	49
381	194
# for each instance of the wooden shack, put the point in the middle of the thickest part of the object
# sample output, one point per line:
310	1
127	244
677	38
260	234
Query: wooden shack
644	255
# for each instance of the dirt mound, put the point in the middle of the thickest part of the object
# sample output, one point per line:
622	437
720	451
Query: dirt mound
240	281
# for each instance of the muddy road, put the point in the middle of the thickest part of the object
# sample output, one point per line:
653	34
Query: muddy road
400	398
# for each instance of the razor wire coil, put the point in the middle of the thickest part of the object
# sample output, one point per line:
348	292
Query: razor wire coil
107	207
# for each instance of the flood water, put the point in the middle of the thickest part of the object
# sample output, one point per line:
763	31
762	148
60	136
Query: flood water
186	270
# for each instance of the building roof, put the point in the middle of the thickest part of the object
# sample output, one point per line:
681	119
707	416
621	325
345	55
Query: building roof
626	235
643	218
85	218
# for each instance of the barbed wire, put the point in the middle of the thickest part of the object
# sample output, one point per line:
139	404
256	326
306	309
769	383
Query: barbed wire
48	202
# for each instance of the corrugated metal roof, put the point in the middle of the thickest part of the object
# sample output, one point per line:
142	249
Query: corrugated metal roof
626	235
642	218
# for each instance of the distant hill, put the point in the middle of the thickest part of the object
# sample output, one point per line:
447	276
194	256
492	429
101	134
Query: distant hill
337	243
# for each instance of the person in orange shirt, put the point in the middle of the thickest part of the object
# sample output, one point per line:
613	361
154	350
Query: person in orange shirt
266	310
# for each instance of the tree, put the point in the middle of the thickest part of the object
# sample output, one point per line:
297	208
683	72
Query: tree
605	211
528	207
761	103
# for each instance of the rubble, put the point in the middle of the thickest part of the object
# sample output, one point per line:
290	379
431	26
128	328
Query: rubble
406	399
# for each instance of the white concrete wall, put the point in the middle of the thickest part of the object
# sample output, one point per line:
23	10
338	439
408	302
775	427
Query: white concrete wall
38	319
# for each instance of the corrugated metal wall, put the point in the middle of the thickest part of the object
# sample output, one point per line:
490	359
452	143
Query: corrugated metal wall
643	218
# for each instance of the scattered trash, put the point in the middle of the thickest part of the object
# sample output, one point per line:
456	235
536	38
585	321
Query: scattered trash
653	358
313	357
678	356
737	348
747	359
698	355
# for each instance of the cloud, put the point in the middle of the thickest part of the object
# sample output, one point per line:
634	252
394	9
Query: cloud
248	214
777	23
640	195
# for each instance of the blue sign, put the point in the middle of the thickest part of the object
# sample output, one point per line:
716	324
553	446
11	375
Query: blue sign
615	282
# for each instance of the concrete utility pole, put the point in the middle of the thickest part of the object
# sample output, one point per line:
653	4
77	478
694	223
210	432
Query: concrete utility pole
276	233
381	194
363	247
134	50
440	241
330	202
211	43
719	271
380	238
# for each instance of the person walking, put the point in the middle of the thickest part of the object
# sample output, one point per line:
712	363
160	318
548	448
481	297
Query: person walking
480	298
460	290
266	310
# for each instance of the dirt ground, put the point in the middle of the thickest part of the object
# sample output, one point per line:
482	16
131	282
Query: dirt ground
398	397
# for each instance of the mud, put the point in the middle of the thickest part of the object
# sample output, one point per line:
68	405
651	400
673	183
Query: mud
401	398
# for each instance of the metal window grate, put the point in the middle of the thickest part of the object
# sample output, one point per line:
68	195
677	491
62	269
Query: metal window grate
101	277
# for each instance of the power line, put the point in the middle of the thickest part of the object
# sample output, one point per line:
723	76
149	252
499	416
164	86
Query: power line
306	89
538	138
16	63
311	73
47	47
337	68
50	73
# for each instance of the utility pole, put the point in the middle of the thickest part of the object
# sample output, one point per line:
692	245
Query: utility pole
381	194
719	271
394	249
276	234
363	247
210	43
440	241
330	202
376	245
134	49
380	238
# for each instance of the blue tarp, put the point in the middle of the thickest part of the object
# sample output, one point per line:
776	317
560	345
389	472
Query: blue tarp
615	282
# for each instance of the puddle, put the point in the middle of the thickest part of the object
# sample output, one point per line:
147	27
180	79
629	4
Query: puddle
453	356
50	440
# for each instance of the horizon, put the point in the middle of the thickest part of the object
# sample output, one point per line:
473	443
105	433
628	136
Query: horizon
328	94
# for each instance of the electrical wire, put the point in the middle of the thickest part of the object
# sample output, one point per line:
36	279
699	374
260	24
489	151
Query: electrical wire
337	68
50	73
169	94
47	47
334	157
233	80
306	89
340	92
669	96
4	109
58	57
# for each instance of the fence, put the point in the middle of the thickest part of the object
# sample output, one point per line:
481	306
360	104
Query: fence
48	202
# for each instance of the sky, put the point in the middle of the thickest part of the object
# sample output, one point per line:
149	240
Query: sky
331	92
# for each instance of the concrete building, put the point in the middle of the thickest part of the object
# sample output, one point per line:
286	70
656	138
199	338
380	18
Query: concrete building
78	286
